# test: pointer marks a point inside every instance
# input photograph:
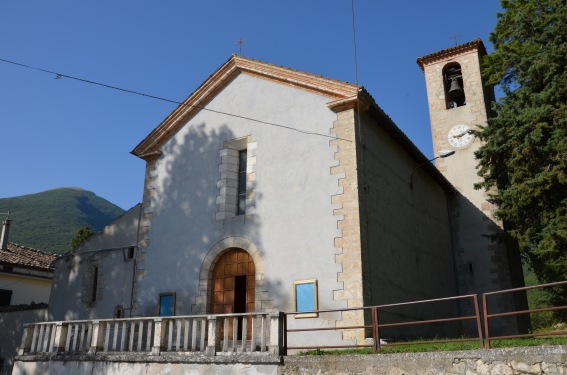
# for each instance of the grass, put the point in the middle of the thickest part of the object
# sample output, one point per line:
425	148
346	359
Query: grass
445	346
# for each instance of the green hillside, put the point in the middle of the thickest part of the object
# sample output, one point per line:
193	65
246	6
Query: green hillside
48	221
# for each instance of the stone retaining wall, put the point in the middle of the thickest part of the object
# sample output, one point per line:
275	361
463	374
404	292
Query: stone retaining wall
550	360
512	361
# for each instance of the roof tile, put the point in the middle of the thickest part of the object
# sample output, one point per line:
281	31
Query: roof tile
23	256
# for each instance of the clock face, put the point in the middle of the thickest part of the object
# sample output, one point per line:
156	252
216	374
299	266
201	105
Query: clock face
460	135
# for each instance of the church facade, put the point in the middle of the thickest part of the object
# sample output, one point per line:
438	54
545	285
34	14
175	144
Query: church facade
270	189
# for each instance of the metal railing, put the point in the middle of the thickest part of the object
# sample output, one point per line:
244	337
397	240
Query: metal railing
209	334
264	332
375	326
488	316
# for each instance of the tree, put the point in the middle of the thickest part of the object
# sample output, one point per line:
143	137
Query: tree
524	158
82	235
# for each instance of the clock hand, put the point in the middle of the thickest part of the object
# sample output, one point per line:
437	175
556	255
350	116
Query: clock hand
460	135
470	131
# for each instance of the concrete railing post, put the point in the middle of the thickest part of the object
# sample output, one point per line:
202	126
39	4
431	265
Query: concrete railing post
97	337
275	334
26	340
159	336
213	337
60	339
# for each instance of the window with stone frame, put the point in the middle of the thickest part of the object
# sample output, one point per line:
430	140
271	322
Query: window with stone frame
236	178
91	291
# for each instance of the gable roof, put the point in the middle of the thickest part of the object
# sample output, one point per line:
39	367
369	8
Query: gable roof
451	52
22	256
334	89
342	95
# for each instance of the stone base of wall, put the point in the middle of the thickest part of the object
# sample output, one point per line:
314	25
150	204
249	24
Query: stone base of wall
145	364
532	360
550	360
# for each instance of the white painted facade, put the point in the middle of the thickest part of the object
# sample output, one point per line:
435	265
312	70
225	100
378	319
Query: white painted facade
72	288
291	223
293	211
326	200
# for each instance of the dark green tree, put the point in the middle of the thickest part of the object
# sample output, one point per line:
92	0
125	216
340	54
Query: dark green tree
524	158
82	235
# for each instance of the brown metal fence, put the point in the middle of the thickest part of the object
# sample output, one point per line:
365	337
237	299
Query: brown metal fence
375	326
488	316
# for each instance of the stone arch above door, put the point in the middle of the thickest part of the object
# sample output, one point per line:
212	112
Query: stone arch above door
262	301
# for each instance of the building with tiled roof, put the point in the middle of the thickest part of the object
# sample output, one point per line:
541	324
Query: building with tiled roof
25	273
270	189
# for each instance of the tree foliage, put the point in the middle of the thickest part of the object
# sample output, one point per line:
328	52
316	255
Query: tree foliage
82	235
524	158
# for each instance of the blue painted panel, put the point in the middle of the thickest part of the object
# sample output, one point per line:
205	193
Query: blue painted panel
166	305
305	295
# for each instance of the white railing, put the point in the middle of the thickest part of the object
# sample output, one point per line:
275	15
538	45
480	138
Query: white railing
209	334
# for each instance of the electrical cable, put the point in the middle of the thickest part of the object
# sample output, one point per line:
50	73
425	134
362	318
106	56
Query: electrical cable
360	141
60	75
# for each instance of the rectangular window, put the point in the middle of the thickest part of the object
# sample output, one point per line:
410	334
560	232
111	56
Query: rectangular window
95	284
5	297
119	312
305	298
166	304
241	199
237	176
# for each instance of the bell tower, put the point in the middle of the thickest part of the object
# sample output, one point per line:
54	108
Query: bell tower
459	103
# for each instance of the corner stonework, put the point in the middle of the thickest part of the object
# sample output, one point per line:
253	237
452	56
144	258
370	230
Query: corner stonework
347	212
144	231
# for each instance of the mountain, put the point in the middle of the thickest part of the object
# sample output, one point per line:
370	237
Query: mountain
49	220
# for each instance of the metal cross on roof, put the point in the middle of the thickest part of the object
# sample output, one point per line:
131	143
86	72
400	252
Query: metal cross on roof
455	37
240	42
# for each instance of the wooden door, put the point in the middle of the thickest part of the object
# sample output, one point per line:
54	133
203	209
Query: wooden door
234	285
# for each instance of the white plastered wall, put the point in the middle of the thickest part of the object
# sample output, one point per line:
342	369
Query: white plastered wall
292	223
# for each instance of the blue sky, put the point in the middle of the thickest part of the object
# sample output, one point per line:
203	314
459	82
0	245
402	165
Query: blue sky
62	133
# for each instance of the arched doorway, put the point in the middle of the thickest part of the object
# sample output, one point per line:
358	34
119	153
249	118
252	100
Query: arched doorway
234	284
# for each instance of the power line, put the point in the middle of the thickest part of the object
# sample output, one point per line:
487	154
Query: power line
61	75
359	142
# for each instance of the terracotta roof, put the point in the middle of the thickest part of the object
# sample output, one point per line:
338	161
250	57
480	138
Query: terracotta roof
334	89
450	52
27	257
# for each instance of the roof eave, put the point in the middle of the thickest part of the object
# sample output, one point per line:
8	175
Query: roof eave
405	143
451	52
196	101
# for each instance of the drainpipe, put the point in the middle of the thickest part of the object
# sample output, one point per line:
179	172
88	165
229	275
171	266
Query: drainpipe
5	233
135	265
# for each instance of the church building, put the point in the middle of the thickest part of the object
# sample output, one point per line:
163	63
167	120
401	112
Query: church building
270	189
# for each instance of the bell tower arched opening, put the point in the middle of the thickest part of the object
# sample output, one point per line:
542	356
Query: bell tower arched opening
454	87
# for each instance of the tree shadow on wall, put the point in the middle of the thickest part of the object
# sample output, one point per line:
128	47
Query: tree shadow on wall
184	226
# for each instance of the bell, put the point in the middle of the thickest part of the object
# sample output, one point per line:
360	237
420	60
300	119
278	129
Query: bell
455	90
